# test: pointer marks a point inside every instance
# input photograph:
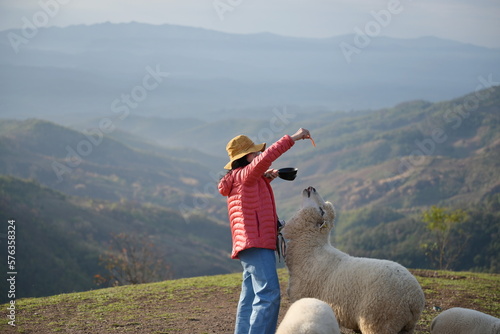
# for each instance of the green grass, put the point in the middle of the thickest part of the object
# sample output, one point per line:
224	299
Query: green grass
170	306
447	289
121	304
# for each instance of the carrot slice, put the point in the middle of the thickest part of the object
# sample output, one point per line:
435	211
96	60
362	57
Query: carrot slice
312	141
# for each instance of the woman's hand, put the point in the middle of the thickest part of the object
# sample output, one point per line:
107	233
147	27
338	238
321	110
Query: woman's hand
301	134
271	174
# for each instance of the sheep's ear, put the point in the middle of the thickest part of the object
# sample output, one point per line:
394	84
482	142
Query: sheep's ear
330	211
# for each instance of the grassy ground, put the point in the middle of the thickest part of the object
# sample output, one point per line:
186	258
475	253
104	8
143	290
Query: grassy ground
207	305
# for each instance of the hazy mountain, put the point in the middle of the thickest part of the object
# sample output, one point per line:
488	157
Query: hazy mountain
380	168
362	158
59	238
414	154
88	164
365	157
175	71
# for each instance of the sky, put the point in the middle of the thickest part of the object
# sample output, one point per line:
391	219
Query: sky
475	22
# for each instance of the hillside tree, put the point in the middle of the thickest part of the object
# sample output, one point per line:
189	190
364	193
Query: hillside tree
132	259
449	240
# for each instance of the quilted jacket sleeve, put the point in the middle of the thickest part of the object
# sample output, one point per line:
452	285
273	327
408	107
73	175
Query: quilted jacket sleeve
263	161
226	184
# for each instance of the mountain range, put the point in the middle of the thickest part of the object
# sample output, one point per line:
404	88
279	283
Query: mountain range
371	156
176	71
70	191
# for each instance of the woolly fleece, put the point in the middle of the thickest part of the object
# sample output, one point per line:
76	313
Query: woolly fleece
374	296
459	320
309	316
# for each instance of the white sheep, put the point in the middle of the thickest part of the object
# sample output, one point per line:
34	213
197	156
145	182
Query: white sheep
309	316
459	320
374	296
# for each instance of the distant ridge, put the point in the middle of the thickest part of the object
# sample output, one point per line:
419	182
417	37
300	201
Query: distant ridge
83	69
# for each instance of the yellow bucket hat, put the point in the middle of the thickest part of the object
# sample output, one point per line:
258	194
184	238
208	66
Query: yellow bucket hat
240	146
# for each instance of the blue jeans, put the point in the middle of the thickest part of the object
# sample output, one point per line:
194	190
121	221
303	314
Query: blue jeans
259	303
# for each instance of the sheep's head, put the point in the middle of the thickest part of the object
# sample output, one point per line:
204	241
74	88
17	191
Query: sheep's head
316	215
322	211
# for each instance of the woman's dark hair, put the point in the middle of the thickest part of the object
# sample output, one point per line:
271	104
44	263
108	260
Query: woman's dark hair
241	162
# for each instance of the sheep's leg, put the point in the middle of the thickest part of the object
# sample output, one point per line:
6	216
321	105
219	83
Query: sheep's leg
408	329
293	292
371	328
366	330
366	327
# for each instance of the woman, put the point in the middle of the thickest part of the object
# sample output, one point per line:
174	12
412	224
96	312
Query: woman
253	221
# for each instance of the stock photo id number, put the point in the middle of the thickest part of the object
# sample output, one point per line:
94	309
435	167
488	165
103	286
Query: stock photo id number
11	271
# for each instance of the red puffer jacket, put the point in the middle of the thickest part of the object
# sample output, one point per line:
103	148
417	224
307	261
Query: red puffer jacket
250	200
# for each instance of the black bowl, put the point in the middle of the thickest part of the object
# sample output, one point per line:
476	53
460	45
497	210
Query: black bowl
288	174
